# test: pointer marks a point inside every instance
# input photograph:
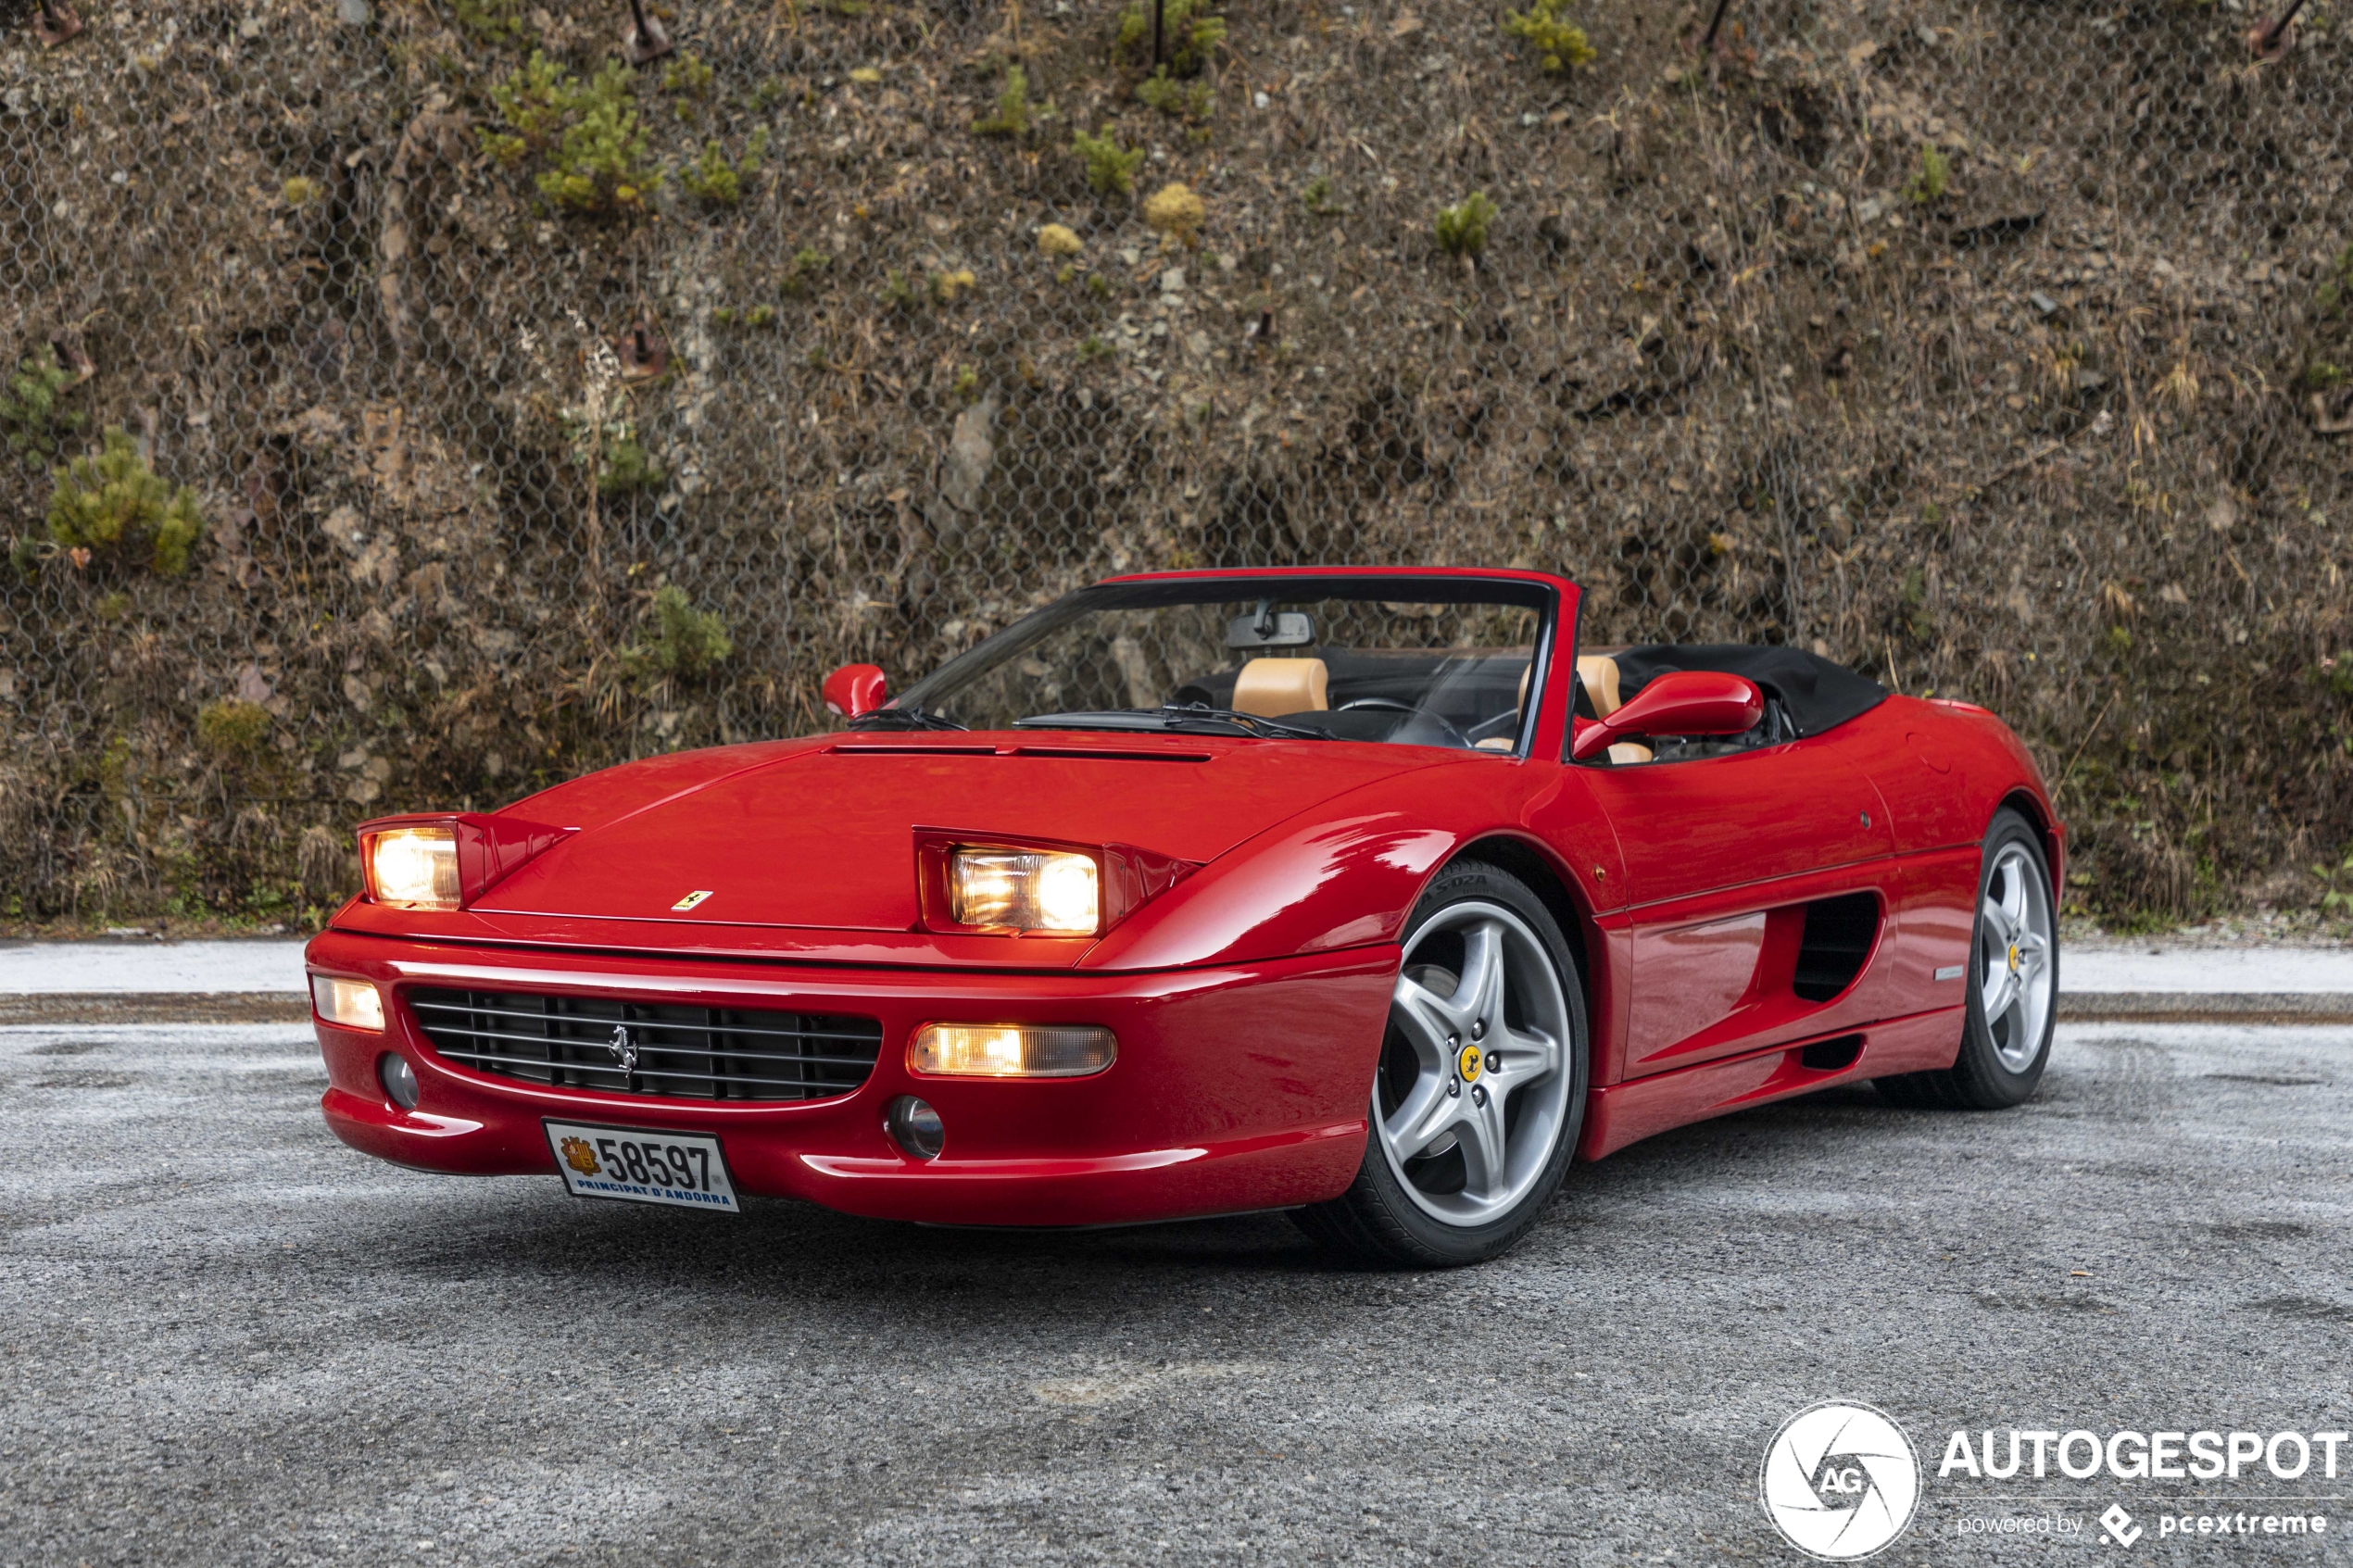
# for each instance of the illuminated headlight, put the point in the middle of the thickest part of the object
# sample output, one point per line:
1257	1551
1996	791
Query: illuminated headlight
1009	1050
1041	890
348	1004
414	866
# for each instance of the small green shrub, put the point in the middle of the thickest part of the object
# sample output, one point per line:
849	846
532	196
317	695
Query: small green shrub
2336	294
687	642
1015	112
1560	46
1184	100
1110	168
1188	34
1932	177
801	276
687	80
902	292
586	133
627	469
490	23
232	726
30	410
1462	229
1095	348
760	318
114	506
2321	376
1316	197
714	181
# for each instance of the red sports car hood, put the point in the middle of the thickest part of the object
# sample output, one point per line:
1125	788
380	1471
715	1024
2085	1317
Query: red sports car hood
824	836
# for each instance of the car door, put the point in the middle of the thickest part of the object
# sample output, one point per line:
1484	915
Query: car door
1721	856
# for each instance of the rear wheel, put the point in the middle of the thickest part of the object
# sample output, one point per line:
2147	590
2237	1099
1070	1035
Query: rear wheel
1480	1093
2012	978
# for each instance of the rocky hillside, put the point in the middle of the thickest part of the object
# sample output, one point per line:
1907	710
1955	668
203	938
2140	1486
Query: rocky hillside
492	408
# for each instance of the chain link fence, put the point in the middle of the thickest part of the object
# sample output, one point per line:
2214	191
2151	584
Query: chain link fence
492	408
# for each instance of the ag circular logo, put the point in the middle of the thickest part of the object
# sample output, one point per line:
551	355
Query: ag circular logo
1839	1481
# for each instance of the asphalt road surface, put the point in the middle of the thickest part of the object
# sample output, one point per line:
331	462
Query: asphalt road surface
224	1338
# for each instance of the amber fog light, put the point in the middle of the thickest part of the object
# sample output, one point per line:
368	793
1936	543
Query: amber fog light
915	1127
399	1078
1011	1051
348	1004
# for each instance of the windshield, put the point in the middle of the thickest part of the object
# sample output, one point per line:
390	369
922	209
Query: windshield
1419	661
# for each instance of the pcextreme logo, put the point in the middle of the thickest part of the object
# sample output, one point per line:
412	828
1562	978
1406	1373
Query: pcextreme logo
1839	1481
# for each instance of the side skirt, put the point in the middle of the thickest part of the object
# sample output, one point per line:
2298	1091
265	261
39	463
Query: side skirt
1618	1114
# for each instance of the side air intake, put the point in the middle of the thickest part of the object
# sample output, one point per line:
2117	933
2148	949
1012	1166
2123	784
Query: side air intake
1839	936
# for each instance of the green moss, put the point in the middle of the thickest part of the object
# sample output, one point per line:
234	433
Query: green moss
1316	197
1096	349
30	413
114	506
232	727
1110	168
1932	176
1560	46
1462	229
1190	35
584	136
687	643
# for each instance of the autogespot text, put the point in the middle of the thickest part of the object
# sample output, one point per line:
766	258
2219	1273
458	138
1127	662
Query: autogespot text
2144	1456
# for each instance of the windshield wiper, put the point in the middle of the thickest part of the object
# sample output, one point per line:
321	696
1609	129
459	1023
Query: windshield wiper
905	719
1171	716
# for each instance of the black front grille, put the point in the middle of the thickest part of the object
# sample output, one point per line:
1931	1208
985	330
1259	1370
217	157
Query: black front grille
650	1047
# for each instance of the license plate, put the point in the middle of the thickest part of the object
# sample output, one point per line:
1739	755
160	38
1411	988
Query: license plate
639	1165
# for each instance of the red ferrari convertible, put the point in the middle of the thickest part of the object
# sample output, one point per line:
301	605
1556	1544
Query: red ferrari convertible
1363	893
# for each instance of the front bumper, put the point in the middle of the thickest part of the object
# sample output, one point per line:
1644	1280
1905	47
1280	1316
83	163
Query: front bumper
1238	1087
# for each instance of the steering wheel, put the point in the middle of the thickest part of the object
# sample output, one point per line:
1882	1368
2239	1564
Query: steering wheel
1390	705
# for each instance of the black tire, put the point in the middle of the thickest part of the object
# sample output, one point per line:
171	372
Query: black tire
1376	1221
1979	1078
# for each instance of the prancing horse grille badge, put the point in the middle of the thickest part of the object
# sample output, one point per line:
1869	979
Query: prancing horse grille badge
623	1048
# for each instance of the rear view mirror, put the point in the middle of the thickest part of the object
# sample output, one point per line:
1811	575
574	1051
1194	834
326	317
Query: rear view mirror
1682	702
855	689
1265	629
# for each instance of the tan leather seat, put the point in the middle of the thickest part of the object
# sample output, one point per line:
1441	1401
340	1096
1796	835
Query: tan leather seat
1599	672
1272	688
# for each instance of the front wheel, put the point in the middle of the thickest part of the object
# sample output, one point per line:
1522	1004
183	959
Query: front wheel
2013	982
1480	1093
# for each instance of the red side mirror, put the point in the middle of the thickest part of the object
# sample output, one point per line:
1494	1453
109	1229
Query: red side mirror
854	689
1682	702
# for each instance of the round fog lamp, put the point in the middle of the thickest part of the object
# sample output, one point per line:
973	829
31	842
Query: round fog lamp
400	1080
915	1127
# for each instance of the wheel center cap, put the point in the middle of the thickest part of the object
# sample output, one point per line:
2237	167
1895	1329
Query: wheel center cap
1469	1064
2013	958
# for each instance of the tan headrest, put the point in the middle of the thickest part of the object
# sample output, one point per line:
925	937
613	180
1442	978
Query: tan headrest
1599	672
1272	688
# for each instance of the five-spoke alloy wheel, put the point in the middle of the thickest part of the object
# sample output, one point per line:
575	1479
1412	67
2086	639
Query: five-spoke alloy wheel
2012	977
1479	1091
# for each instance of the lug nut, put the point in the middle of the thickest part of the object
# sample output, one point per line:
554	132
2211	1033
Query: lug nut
1454	1088
1478	1029
1479	1095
